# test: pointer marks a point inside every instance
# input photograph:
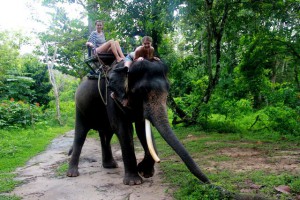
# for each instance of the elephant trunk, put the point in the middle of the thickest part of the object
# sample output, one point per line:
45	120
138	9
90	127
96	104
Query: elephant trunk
157	114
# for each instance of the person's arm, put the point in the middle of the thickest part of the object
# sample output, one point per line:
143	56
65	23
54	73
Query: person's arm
138	54
151	53
92	40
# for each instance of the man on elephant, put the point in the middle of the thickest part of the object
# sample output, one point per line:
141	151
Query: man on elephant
145	51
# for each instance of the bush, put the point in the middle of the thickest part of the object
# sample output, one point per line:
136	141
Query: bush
283	119
19	114
286	95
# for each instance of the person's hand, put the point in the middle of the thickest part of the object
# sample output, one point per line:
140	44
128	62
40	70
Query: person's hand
156	58
89	44
140	59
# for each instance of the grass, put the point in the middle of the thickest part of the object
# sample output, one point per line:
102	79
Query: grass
227	168
3	197
62	169
17	146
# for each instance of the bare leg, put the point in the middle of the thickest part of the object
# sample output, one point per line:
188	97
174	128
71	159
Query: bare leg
109	45
119	50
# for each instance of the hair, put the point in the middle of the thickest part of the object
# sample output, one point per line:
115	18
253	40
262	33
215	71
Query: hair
98	21
147	38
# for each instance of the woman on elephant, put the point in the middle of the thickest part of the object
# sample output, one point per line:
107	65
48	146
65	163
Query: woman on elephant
145	51
98	42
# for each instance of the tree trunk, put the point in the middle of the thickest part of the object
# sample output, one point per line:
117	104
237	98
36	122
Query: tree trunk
274	72
50	64
208	52
214	32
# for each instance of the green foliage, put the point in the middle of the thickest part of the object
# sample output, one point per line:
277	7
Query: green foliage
67	86
39	74
18	86
253	68
185	73
282	95
16	114
32	85
22	77
283	119
9	50
69	35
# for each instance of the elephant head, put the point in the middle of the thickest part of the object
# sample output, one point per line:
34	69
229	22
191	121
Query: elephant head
147	89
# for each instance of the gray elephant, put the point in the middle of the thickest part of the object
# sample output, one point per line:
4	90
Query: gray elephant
146	89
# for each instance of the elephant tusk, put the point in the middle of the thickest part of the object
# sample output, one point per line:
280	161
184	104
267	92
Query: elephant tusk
149	141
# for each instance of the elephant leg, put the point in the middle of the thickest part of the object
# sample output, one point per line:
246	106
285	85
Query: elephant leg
125	135
81	131
107	158
146	166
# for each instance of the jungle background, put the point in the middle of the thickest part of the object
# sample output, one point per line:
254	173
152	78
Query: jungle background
234	66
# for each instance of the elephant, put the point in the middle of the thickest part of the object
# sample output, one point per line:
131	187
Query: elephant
145	85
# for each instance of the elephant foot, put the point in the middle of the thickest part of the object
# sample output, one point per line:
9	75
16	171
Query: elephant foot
73	172
110	164
145	169
132	179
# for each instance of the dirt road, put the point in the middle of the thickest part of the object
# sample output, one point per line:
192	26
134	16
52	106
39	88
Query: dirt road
41	181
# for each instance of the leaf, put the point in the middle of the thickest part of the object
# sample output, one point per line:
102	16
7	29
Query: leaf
254	186
283	189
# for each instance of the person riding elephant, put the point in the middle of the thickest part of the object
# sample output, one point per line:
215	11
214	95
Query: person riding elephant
98	42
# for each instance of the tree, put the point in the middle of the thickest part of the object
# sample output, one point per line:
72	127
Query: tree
69	35
38	72
50	64
9	55
215	33
21	76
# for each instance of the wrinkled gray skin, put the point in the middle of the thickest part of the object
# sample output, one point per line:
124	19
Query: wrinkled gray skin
147	94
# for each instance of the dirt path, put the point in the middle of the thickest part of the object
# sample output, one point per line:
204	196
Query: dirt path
42	182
